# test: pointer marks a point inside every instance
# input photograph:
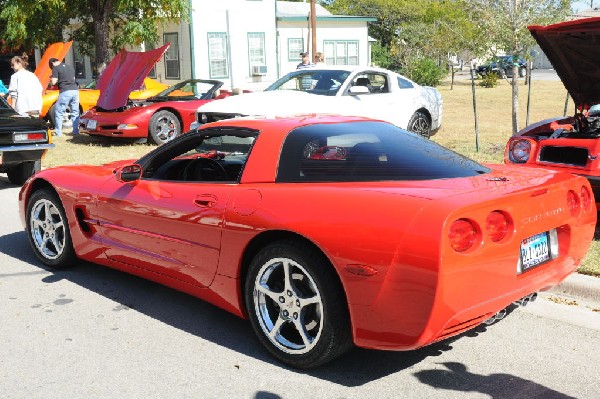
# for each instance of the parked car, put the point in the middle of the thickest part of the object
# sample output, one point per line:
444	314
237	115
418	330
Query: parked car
159	118
325	231
570	144
23	142
370	92
503	66
88	96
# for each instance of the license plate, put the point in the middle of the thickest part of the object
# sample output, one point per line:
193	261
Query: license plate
535	250
91	124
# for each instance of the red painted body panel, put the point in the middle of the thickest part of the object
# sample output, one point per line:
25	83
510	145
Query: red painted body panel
131	69
107	122
422	291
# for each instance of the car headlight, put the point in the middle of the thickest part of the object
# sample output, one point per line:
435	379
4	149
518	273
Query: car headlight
519	151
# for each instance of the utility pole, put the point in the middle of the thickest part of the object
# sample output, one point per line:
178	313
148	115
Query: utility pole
313	29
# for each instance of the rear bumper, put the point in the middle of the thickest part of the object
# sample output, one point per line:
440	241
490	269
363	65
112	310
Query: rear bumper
15	154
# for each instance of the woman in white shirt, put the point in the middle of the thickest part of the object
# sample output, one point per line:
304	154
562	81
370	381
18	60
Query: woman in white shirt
25	88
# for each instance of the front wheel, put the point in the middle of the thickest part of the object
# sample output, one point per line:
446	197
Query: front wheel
420	124
296	305
164	127
48	229
19	173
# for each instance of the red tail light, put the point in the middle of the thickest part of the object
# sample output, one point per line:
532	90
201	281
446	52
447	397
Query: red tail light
463	234
573	203
497	225
586	198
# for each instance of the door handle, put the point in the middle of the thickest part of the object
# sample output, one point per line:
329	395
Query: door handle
205	200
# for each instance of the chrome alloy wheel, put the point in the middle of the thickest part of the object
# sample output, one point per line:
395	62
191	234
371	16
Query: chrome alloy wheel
166	128
421	126
288	306
47	229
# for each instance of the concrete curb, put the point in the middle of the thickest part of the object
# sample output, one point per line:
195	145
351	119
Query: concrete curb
580	286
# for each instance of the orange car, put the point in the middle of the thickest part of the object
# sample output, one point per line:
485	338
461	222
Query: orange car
88	96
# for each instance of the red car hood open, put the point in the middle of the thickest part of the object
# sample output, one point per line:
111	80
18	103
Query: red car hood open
124	74
573	50
55	50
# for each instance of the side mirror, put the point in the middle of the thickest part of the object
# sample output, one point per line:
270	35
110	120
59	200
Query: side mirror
355	90
129	173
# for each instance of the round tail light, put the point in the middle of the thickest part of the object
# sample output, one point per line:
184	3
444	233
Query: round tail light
463	234
573	203
586	197
519	151
497	225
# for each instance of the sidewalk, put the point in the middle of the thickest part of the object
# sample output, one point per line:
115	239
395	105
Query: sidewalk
580	287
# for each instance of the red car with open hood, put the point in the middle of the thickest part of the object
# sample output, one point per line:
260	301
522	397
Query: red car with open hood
569	144
159	118
325	231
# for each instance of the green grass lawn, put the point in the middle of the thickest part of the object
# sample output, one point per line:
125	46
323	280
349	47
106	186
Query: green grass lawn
457	133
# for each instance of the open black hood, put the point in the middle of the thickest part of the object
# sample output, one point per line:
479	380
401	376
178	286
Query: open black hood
573	48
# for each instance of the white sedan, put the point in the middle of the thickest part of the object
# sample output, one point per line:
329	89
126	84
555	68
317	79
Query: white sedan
369	92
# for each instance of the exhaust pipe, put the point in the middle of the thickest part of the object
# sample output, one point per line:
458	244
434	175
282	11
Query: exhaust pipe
525	300
497	317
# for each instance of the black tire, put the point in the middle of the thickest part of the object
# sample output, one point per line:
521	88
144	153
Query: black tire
52	117
420	124
48	230
19	173
164	127
307	305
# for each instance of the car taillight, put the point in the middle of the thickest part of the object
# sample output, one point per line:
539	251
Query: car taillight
586	198
573	203
463	234
519	151
497	225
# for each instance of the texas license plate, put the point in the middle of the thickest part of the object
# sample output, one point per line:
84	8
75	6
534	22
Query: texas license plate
535	250
91	124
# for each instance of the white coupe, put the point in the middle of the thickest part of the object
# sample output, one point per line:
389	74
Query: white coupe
369	92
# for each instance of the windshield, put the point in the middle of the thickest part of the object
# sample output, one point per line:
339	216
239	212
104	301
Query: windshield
314	81
192	89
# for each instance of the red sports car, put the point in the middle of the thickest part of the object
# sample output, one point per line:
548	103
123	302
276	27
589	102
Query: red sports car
326	232
570	144
160	118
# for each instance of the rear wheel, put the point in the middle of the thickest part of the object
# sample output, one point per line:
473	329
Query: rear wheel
164	127
420	124
19	173
48	229
52	117
296	305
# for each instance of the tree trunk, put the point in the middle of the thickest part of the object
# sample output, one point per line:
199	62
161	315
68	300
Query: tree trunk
515	98
100	17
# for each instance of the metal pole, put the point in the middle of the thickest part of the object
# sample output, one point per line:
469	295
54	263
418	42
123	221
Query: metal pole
313	27
529	65
475	110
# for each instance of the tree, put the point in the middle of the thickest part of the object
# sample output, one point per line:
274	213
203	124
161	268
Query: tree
504	25
27	22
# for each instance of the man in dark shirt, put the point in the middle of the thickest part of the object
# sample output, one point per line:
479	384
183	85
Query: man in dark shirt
63	75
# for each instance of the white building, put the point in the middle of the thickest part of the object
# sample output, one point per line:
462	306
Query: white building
248	43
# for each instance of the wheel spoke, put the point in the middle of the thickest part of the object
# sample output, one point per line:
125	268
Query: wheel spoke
275	330
299	324
310	301
267	291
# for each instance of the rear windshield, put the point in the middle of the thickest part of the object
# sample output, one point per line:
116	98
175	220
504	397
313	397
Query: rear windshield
367	151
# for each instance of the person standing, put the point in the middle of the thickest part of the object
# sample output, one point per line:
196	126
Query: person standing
63	75
319	58
25	88
305	61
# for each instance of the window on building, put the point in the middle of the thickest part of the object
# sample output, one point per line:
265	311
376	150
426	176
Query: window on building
217	55
256	50
80	72
295	47
172	56
151	46
341	52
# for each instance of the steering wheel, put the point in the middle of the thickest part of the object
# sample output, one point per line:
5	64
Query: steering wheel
204	169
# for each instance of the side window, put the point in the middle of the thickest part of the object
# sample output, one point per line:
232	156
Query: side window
404	84
376	83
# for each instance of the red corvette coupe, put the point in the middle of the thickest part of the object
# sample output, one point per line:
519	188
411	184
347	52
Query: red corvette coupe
160	118
326	232
570	144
